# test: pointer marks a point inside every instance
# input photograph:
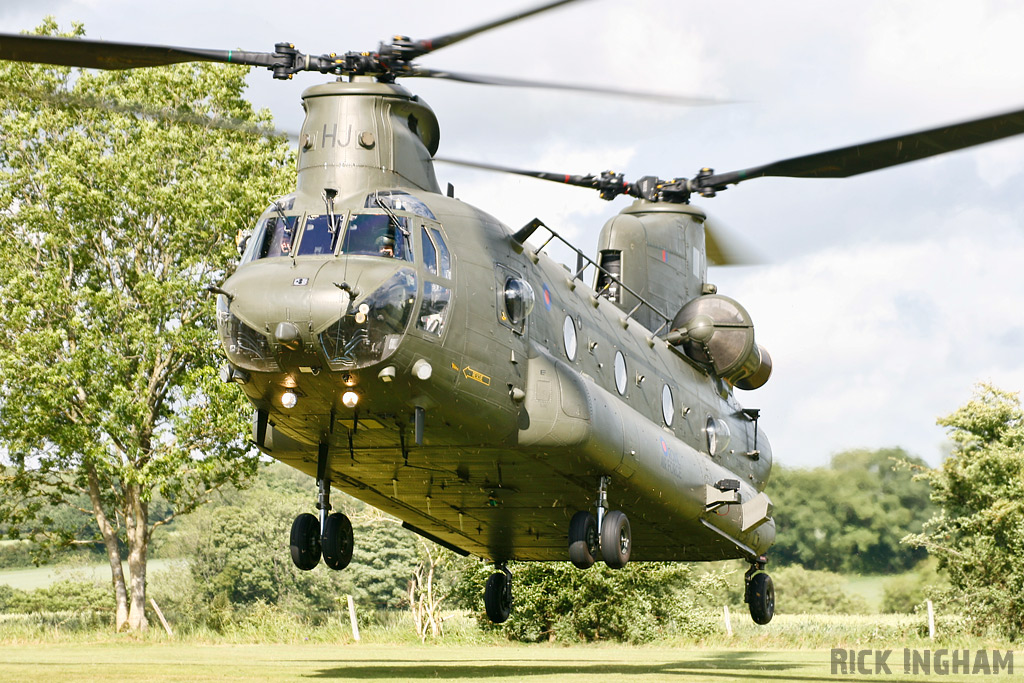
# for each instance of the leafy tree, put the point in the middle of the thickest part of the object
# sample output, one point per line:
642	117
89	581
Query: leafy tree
978	533
237	552
556	601
384	560
851	516
238	556
113	223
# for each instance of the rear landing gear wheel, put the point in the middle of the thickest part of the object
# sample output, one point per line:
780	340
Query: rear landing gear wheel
305	541
761	598
616	539
583	540
498	596
337	541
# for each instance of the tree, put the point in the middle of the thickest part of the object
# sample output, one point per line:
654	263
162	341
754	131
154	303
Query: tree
237	552
851	516
113	224
978	533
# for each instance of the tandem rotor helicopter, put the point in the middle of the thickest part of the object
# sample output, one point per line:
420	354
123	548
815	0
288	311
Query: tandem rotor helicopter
414	352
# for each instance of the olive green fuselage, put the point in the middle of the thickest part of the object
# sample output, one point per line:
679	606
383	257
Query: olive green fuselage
518	423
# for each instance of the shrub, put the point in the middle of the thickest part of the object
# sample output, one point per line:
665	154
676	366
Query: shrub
555	601
802	591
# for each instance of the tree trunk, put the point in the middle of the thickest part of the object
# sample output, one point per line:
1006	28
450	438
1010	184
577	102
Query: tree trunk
113	551
137	519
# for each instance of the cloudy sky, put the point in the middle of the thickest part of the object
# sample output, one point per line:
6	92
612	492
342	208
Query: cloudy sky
884	298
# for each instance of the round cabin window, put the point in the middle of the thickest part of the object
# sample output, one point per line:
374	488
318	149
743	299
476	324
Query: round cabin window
620	373
668	408
569	337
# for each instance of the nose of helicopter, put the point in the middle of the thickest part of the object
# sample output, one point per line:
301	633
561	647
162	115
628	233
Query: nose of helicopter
346	313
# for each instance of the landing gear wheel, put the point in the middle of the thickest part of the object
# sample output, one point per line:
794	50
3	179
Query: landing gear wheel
498	597
583	540
761	597
616	539
306	541
337	541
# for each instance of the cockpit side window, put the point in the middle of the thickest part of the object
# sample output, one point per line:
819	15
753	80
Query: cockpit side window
377	234
277	237
444	260
429	251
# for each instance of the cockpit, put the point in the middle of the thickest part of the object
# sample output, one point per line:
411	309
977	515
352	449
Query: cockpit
347	328
378	230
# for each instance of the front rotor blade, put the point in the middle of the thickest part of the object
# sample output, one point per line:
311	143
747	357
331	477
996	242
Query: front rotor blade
425	46
872	156
99	54
571	87
67	100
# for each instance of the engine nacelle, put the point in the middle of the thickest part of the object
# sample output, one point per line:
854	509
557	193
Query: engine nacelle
717	332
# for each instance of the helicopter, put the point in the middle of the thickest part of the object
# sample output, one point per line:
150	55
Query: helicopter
406	348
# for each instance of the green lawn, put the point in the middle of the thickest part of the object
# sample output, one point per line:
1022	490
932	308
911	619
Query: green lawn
146	661
41	577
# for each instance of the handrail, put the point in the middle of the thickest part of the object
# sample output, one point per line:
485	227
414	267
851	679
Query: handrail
527	230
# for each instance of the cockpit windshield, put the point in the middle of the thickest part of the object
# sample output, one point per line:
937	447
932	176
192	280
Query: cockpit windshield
378	234
320	235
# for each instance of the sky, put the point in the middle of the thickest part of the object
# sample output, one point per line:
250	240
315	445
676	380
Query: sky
883	299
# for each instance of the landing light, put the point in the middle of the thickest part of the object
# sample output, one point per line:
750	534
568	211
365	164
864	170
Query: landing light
421	369
289	399
350	399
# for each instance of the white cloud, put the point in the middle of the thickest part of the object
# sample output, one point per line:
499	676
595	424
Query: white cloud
872	343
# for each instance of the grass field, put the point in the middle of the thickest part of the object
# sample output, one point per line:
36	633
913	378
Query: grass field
145	661
31	578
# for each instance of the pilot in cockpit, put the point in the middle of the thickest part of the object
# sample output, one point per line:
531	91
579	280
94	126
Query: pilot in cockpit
386	246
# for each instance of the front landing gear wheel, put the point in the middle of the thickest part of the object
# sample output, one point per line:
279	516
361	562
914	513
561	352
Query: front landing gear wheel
616	539
761	597
498	597
337	541
583	540
305	541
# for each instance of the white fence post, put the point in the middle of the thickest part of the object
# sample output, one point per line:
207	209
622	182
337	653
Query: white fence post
728	622
352	618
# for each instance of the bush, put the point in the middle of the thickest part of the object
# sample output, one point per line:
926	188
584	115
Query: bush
905	594
62	596
802	591
555	601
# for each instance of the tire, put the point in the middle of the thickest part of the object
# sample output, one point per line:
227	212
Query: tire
761	596
305	541
583	541
337	542
498	598
616	539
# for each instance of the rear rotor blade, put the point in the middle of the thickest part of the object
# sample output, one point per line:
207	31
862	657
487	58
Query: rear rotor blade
577	180
724	248
98	54
849	161
569	87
